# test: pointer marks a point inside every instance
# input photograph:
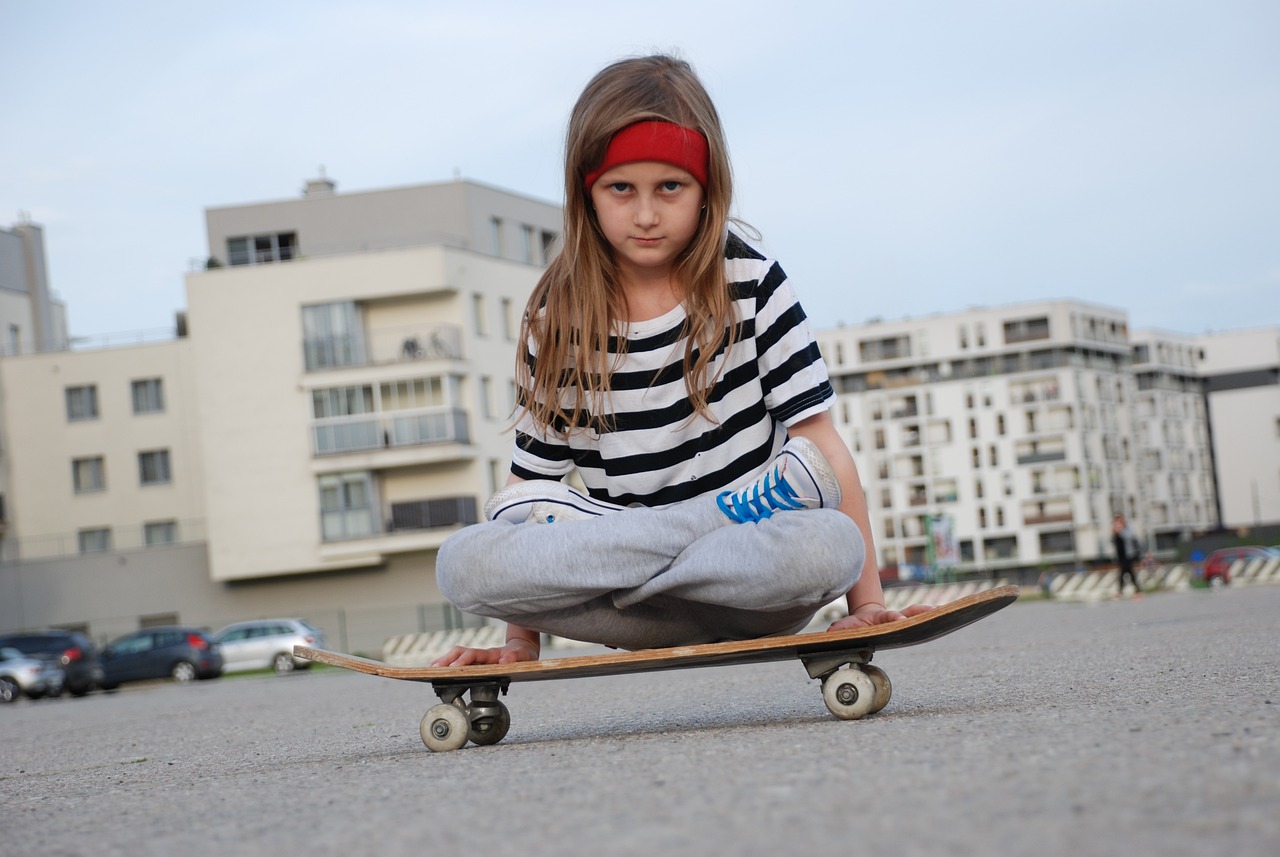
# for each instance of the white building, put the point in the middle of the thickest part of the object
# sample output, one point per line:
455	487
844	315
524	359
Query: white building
1013	428
1176	491
1241	371
335	406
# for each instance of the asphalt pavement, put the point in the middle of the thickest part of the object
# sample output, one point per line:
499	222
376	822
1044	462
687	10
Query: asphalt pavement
1137	727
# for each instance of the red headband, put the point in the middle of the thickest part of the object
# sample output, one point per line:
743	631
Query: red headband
655	140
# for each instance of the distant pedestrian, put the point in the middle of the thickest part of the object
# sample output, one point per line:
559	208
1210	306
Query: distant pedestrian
1128	551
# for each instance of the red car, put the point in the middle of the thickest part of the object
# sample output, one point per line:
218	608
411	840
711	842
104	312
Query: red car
1217	565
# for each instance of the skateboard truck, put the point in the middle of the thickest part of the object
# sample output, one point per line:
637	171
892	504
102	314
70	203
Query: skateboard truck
851	687
452	723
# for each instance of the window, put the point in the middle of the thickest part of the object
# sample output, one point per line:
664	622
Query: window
82	403
495	229
527	244
87	475
159	533
478	310
341	401
414	393
148	396
94	541
548	246
508	321
888	348
346	506
15	339
486	396
153	467
262	249
333	335
1026	330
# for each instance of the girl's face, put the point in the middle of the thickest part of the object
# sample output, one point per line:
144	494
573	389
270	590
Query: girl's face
649	212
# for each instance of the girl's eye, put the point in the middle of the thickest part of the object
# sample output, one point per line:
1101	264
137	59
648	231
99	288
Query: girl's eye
672	186
619	187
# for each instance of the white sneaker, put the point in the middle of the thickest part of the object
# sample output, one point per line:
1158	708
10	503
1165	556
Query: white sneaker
543	501
799	478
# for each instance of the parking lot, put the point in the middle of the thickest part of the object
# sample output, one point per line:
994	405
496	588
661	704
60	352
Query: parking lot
1138	726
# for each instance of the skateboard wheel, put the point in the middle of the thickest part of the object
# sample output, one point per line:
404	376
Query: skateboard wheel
444	728
849	693
490	720
884	688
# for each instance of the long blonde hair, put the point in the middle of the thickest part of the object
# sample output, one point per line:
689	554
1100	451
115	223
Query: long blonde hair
572	311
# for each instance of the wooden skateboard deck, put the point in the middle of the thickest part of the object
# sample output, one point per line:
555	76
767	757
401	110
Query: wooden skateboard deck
851	687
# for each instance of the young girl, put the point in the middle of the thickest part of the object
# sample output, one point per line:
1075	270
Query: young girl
670	363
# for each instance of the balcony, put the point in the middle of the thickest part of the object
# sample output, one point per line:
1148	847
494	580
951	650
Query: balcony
408	526
383	346
429	514
1047	518
389	430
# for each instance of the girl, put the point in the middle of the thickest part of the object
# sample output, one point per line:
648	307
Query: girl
670	363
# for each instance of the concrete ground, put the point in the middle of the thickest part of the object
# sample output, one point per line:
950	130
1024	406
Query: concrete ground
1140	727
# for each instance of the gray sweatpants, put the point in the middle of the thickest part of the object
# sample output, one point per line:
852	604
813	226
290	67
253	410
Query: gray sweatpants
644	578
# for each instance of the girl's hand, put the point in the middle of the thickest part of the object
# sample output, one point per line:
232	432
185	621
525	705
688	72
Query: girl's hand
874	614
513	652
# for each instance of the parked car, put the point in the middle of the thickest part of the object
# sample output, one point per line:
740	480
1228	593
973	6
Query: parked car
173	651
21	674
1216	570
267	644
74	652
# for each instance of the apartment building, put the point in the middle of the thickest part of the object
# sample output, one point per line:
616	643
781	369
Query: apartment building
1177	493
1012	430
355	362
334	406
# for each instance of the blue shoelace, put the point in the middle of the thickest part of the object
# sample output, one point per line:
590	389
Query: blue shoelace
759	501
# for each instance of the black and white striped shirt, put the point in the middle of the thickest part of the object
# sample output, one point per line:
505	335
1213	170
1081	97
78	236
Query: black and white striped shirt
655	453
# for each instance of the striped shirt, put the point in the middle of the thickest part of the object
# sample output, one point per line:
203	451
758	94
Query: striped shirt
656	452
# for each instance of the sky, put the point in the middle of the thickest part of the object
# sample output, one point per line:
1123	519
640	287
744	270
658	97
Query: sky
900	159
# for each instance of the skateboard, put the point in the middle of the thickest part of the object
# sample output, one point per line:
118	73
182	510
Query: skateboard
851	687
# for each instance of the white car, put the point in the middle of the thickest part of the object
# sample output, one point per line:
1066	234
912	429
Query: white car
266	644
20	675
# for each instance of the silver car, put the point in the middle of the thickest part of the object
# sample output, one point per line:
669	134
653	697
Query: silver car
20	675
266	644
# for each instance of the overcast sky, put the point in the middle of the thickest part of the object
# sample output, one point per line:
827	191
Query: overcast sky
901	158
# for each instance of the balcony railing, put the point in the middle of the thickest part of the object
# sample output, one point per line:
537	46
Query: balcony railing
428	514
383	346
390	429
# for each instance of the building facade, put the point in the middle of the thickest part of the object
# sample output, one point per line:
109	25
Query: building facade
336	406
999	438
1177	492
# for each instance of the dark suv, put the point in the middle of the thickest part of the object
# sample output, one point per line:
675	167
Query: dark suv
71	650
172	651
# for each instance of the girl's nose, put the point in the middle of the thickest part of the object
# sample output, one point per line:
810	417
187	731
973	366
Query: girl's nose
646	213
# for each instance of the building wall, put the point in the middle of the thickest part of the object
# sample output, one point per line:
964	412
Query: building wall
261	457
108	595
1242	378
1014	423
459	214
46	512
1177	492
